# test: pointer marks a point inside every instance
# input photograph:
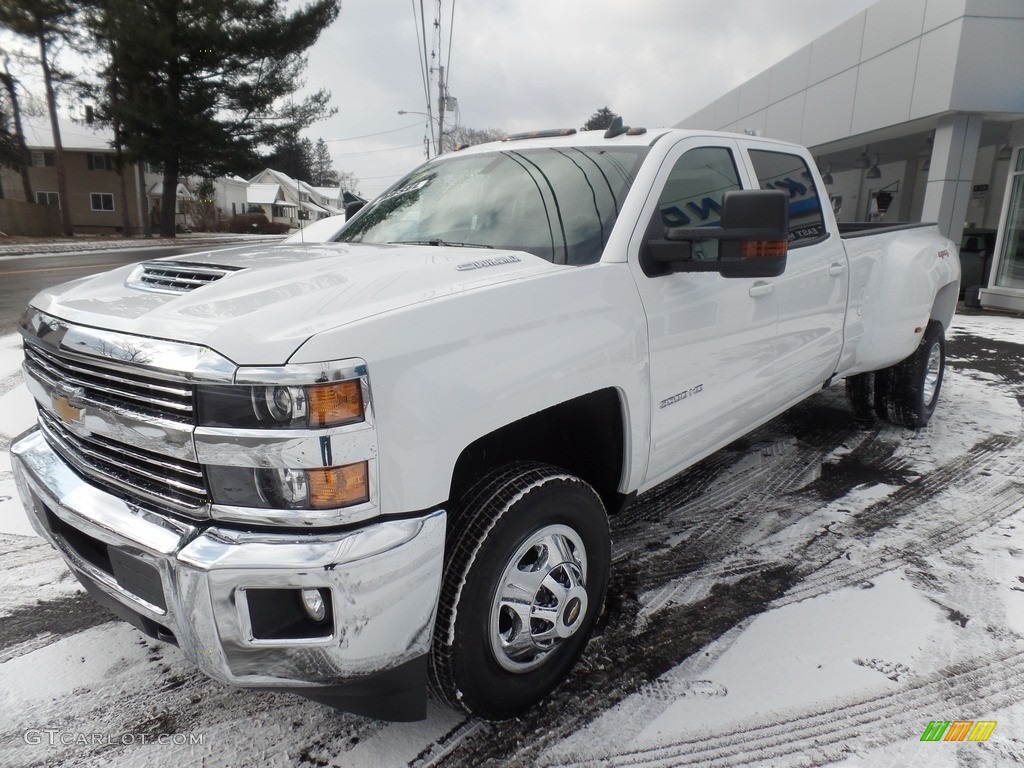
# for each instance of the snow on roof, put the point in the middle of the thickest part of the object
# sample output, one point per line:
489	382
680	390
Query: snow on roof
262	193
73	135
180	190
330	193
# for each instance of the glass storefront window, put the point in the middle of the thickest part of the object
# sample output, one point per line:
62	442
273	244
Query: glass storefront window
1010	273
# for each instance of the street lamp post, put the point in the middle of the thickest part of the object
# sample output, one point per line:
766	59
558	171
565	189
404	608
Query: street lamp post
439	148
429	117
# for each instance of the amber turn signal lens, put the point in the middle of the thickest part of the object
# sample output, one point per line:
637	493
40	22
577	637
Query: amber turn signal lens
339	486
339	402
761	249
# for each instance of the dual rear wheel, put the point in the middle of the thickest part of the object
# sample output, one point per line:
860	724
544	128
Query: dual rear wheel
907	392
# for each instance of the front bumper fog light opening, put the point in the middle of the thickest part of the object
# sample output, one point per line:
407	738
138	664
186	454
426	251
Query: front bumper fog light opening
314	604
290	613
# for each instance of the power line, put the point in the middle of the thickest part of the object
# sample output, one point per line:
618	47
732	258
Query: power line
379	133
378	151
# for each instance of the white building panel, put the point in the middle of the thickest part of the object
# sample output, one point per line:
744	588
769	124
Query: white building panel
980	86
837	50
790	75
885	88
786	118
754	94
889	25
829	109
727	108
941	12
937	64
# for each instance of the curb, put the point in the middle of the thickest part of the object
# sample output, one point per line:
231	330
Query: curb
72	248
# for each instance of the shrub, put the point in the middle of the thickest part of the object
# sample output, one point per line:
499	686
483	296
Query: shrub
248	222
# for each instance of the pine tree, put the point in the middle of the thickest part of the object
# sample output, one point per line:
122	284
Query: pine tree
600	120
324	174
204	83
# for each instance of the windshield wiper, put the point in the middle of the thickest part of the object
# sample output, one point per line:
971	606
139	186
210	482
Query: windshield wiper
439	241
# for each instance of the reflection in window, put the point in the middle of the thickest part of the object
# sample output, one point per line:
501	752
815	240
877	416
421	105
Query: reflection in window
1011	253
694	191
779	170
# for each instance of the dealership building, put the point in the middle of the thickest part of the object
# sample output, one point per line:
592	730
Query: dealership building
914	110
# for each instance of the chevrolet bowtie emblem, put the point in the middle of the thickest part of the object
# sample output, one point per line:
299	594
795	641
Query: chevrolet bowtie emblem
65	404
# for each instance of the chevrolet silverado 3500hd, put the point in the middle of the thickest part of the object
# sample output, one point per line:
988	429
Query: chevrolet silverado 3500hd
345	468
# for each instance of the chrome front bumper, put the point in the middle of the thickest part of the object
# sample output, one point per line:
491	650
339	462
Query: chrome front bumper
195	583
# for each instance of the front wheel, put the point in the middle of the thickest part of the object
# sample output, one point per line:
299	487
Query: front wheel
526	570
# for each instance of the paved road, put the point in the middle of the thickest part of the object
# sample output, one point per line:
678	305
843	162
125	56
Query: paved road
22	278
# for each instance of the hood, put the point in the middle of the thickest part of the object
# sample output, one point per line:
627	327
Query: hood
262	303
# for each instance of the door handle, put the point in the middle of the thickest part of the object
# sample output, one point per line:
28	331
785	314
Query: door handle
760	288
837	269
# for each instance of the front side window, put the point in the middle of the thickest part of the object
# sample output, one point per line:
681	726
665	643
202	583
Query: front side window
101	201
778	170
693	194
556	203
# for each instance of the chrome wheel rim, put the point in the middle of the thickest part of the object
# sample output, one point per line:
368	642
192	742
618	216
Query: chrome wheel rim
932	372
541	599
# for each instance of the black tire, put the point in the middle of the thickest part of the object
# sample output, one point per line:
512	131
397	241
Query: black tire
883	379
860	391
913	386
542	534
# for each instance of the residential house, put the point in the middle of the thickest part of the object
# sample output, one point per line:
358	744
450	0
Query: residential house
285	199
230	194
93	184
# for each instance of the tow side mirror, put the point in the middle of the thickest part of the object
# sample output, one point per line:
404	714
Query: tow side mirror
753	238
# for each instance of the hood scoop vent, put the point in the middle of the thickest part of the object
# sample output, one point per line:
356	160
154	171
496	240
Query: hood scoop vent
175	276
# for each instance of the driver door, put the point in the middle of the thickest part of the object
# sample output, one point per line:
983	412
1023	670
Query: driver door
711	338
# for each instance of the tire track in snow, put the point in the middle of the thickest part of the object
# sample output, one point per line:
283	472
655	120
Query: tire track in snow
985	475
982	485
981	684
33	573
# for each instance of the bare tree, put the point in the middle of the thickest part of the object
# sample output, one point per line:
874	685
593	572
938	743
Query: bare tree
46	21
461	136
17	155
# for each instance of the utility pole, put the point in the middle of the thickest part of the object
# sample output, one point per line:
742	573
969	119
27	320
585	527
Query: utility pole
442	98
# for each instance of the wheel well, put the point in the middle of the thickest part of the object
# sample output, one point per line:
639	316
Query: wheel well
583	436
945	304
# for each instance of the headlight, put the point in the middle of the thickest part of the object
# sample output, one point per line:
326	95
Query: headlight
319	488
268	441
314	406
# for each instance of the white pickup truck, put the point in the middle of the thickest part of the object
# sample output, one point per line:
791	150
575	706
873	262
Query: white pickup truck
345	468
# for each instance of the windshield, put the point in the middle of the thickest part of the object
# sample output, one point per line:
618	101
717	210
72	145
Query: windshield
556	203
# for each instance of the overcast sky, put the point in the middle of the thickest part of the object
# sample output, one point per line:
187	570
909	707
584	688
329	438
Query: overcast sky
530	64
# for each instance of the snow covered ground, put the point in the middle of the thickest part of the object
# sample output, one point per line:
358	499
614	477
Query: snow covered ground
815	594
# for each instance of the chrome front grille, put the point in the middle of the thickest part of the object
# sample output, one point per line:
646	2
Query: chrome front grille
134	391
175	276
136	473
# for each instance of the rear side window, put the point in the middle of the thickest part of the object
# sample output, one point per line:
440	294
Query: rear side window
778	170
